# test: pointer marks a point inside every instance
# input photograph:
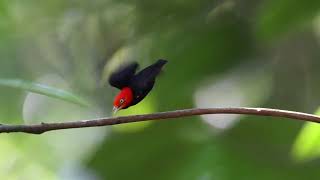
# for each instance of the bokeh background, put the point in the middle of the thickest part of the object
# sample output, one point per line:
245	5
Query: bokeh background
256	53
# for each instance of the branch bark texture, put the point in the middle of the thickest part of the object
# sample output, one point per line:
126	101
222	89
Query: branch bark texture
45	127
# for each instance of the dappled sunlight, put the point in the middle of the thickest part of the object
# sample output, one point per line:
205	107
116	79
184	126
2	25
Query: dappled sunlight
239	87
146	106
18	161
307	144
38	108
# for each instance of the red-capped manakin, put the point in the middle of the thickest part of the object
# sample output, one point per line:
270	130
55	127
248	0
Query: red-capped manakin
134	86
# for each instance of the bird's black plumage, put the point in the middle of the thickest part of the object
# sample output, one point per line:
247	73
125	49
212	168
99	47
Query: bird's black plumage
141	83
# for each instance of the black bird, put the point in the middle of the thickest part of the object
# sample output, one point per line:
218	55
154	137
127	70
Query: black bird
134	87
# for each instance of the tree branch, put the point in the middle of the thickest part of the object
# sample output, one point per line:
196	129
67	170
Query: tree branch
45	127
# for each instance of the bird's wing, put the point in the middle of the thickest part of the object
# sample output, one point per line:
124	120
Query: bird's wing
121	78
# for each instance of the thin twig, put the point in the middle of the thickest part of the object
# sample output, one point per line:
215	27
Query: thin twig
45	127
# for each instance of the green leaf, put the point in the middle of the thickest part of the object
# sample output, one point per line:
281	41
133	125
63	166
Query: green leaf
307	144
44	90
278	17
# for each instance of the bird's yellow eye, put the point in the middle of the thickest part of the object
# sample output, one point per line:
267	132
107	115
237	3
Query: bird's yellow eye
121	101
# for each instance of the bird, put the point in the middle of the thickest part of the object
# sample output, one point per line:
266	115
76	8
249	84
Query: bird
134	87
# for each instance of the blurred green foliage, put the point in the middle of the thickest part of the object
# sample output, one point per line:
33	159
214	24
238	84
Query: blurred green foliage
278	18
75	45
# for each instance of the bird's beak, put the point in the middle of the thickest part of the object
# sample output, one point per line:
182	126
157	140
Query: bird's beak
115	109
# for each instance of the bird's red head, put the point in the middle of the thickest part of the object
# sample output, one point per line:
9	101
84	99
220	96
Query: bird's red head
123	99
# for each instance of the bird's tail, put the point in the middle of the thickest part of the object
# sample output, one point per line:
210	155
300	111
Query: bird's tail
155	68
160	63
